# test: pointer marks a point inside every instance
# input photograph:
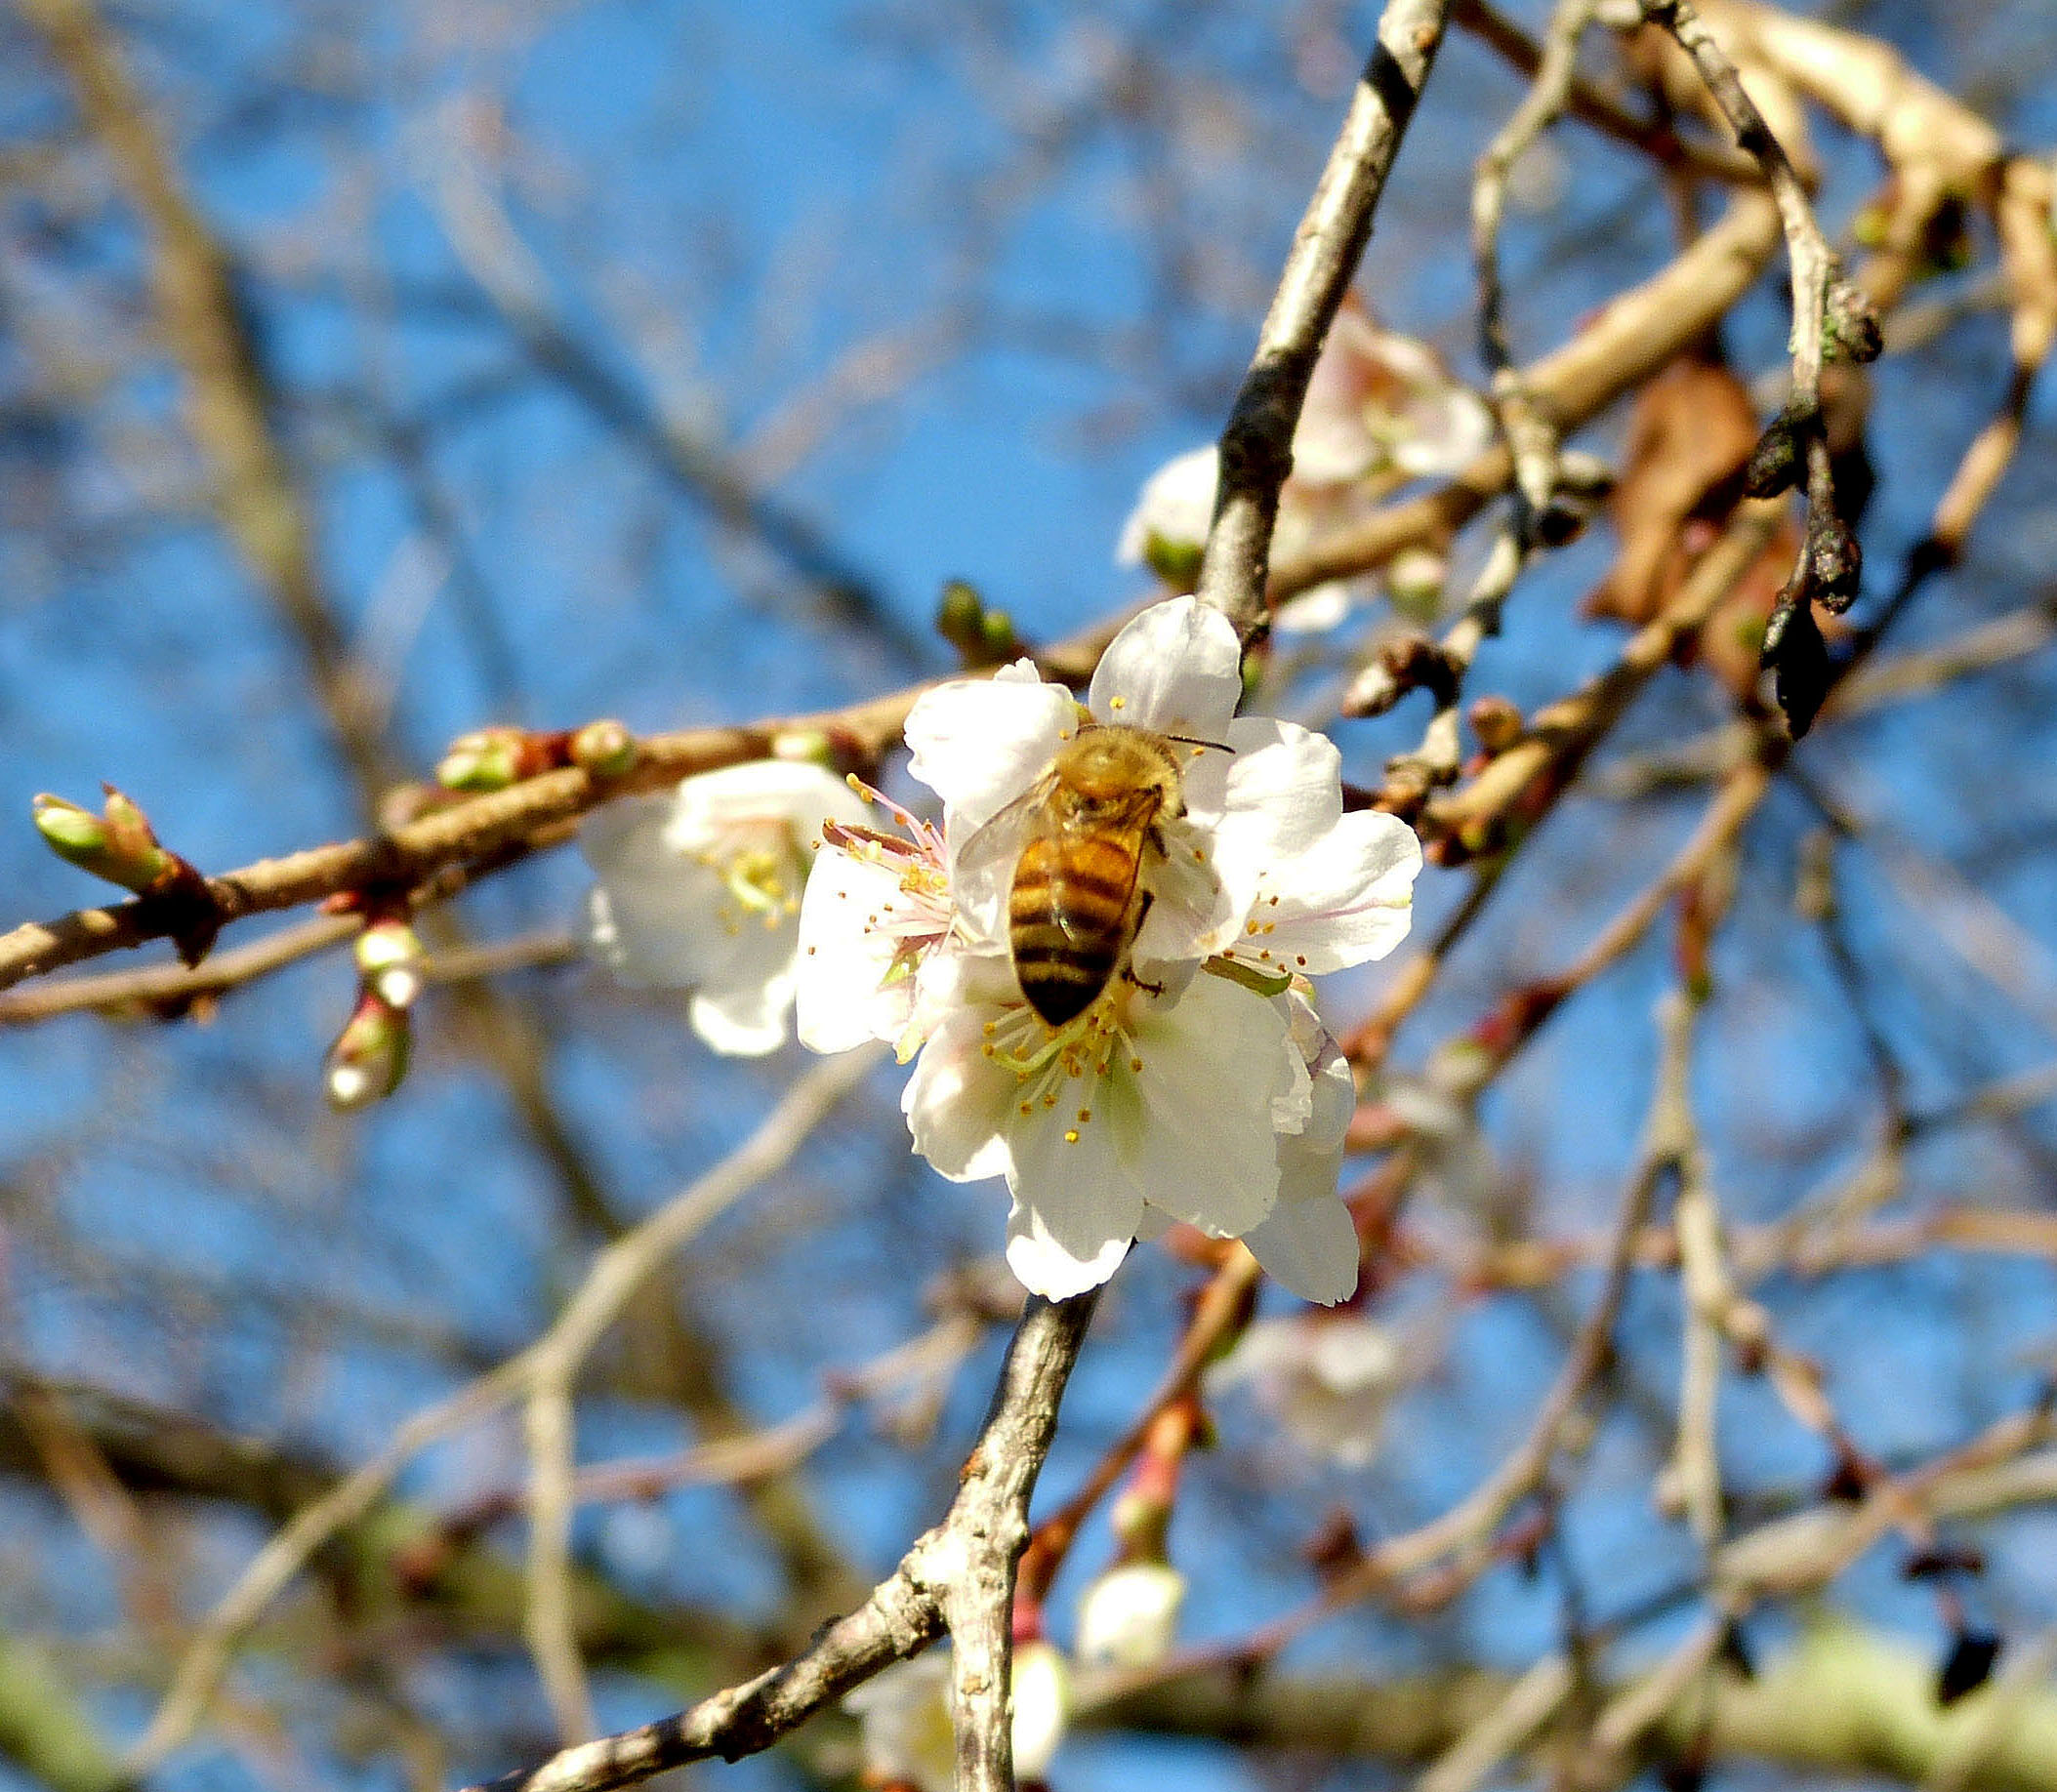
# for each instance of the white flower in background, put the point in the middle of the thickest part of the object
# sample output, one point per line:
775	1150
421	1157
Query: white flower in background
1454	1166
700	890
1381	409
1129	1618
908	1737
1329	1378
1380	402
1213	1099
904	1715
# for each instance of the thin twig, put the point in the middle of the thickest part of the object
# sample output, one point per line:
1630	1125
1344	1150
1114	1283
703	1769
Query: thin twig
1257	446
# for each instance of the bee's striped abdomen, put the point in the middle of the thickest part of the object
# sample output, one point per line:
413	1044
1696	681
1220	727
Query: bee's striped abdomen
1069	918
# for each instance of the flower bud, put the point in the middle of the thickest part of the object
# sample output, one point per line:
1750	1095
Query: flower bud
390	960
369	1056
1129	1618
606	748
1774	465
804	747
118	846
1041	1707
1850	324
486	760
997	638
1415	576
961	616
1496	722
1176	562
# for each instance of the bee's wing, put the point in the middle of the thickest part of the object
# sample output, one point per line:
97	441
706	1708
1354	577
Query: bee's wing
982	865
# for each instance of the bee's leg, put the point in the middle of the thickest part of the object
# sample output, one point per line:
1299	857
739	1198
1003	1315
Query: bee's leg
1143	910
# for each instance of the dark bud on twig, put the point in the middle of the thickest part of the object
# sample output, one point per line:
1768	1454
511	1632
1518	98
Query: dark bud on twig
1798	658
1835	561
1688	1773
1735	1652
1775	462
1850	325
1848	1482
1943	1559
1335	1549
1497	724
1414	663
1968	1665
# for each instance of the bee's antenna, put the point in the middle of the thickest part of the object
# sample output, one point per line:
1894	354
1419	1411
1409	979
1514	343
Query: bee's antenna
1186	740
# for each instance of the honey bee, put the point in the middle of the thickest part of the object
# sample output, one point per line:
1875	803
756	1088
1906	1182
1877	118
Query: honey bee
1077	896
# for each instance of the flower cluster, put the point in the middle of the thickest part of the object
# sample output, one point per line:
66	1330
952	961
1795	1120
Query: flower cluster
700	890
1381	408
1198	1084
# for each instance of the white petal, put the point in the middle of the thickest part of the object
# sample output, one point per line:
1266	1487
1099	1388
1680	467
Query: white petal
1199	1141
1285	786
980	743
1345	900
1076	1207
844	997
1191	907
1045	1267
958	1102
907	1735
708	806
1308	1246
746	1021
1177	668
1352	1354
653	920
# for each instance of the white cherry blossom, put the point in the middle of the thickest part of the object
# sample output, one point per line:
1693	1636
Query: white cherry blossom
1199	1086
1381	408
1329	1378
700	889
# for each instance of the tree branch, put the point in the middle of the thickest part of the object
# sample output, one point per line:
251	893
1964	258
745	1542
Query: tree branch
963	1565
1257	446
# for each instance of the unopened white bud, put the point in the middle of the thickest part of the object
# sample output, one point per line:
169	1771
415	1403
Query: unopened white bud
1129	1618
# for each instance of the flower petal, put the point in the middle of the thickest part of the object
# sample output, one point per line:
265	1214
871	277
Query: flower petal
1076	1207
847	991
711	804
747	1021
958	1102
1043	1266
980	743
653	919
1197	1118
1345	900
1177	668
1308	1246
